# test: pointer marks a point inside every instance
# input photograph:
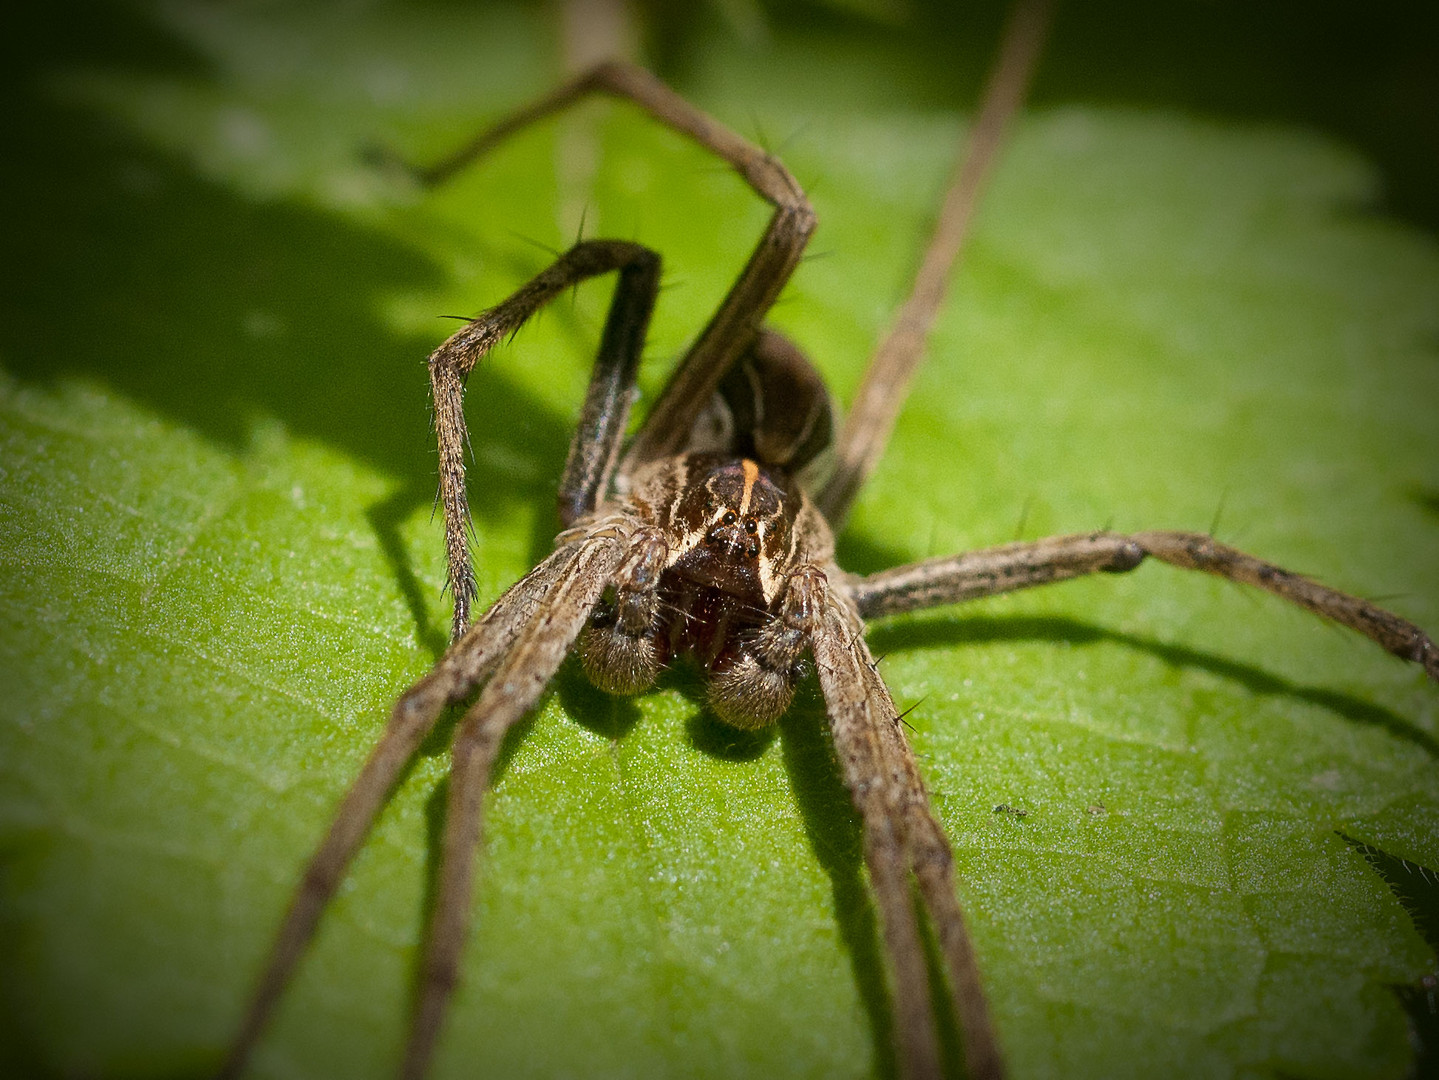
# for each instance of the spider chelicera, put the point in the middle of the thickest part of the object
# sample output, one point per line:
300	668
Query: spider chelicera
710	535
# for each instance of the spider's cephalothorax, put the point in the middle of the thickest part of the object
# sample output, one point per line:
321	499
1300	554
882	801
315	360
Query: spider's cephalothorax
725	570
709	535
716	581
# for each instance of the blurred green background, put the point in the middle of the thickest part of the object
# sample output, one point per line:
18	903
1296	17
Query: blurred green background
1203	289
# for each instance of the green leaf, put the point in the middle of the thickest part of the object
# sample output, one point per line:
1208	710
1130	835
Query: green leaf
221	566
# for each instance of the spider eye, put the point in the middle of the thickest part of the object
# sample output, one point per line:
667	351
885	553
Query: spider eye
753	551
749	527
730	518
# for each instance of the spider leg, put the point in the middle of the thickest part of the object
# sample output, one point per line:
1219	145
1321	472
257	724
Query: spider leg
511	692
882	392
468	662
857	717
885	782
735	322
597	439
933	865
1017	566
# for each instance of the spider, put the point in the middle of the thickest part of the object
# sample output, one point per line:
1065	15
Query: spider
710	536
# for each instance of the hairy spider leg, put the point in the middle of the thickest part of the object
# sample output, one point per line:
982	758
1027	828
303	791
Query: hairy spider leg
588	471
463	667
933	864
597	439
737	319
512	691
854	721
886	381
873	750
1010	567
595	446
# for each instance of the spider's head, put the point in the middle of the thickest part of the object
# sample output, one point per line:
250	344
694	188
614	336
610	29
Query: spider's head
737	529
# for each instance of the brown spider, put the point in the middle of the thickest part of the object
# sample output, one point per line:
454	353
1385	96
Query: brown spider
711	536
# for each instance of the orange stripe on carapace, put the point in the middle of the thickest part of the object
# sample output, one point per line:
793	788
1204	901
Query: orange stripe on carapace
751	474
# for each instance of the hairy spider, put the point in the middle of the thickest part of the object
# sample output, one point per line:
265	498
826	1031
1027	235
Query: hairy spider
710	536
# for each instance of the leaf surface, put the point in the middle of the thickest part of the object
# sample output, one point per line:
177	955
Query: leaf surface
216	481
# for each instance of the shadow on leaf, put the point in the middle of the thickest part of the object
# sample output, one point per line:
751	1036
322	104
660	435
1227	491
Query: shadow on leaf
982	629
832	827
127	267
